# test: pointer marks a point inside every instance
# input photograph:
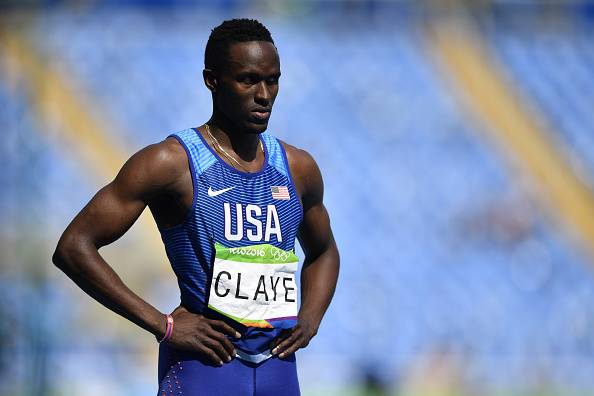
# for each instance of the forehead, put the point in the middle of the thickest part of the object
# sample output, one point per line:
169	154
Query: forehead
253	56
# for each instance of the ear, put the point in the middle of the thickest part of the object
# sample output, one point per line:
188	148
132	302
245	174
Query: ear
210	79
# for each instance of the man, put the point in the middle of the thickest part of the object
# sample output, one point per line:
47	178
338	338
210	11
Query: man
229	200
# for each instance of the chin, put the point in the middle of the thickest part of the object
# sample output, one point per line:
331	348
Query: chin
256	127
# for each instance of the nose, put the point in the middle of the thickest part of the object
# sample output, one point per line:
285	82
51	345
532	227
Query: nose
263	94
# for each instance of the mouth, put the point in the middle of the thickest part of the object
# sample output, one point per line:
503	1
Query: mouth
261	114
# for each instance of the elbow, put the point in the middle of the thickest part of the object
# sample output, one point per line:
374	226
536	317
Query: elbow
67	250
60	256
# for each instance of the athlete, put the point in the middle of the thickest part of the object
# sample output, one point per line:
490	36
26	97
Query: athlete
229	200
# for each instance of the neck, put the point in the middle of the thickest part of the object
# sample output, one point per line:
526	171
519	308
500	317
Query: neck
245	144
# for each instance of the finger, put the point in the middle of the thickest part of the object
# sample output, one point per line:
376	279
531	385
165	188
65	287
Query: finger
286	342
210	354
299	343
224	328
280	337
275	342
284	333
218	349
225	342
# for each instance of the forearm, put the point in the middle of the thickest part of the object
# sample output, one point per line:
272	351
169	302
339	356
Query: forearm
318	282
85	266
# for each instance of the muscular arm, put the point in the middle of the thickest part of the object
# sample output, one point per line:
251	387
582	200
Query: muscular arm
320	268
110	213
157	173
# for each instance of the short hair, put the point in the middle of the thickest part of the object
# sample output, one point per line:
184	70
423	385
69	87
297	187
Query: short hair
231	32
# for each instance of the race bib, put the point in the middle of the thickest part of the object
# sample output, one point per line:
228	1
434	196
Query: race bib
254	285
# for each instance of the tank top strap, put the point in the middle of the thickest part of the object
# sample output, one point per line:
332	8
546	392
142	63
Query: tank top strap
277	157
200	156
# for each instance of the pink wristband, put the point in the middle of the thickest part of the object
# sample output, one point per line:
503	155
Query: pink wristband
168	329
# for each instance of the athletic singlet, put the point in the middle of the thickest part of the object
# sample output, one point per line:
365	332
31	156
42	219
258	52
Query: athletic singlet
234	254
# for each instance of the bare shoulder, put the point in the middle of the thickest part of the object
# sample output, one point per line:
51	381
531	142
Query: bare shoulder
299	159
155	167
305	172
168	156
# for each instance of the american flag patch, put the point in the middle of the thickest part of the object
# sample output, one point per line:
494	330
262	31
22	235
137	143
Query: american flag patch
280	192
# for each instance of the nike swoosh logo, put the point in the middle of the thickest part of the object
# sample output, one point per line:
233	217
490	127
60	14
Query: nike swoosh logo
212	193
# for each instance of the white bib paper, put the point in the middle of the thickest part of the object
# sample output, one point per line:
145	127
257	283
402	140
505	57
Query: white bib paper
254	285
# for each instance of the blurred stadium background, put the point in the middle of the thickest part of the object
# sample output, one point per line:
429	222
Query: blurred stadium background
457	144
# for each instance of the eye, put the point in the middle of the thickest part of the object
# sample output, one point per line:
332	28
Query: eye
272	81
248	79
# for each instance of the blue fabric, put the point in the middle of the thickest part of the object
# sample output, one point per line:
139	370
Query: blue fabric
190	245
187	373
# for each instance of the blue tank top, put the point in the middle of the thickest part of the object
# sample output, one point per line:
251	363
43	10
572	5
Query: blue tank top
234	254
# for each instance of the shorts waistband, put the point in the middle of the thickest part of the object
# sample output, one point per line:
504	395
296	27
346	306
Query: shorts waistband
258	358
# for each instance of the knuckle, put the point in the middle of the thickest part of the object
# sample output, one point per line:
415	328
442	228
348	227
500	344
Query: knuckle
288	351
213	357
208	352
202	325
208	323
217	344
228	329
220	338
197	339
200	348
218	347
217	335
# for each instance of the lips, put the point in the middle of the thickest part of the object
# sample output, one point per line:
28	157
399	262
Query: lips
261	114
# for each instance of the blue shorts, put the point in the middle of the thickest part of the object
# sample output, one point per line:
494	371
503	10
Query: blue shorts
183	373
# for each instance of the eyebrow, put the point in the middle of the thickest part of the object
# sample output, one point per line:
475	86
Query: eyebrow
240	65
257	74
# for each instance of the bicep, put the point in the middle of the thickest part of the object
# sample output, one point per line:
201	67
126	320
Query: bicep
315	234
108	215
113	210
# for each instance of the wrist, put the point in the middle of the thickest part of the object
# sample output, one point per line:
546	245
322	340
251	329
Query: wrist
157	324
312	318
168	331
161	327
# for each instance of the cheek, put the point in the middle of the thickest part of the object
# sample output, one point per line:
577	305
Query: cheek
231	102
239	97
235	105
274	93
